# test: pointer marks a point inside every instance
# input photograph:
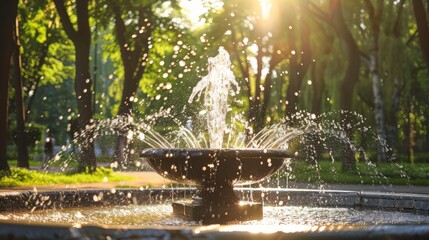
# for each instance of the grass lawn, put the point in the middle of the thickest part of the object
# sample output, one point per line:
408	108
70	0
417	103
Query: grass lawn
299	171
380	174
24	177
33	163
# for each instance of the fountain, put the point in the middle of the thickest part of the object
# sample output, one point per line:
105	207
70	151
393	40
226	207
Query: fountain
215	170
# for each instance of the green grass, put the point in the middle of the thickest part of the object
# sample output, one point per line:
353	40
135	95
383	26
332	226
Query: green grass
24	177
382	174
33	163
69	158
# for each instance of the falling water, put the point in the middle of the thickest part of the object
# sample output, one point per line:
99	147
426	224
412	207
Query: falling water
304	134
217	85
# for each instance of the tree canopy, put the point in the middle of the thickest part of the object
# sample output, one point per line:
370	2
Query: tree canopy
89	60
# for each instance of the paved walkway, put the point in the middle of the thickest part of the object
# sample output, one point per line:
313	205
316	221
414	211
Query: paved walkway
151	179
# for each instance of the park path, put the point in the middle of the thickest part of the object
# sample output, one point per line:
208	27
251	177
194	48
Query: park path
145	179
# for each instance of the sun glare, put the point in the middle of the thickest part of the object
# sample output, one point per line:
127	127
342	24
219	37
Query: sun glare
193	9
265	8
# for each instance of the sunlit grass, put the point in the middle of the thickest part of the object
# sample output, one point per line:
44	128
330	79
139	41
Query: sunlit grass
32	163
380	174
24	177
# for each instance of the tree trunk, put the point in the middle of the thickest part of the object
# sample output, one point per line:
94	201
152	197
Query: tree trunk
392	129
349	81
375	19
133	63
412	132
298	67
318	86
21	139
392	133
423	29
255	102
426	122
266	94
84	103
266	99
81	39
8	12
378	106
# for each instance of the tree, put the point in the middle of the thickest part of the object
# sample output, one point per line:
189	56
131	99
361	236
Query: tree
350	79
21	139
395	44
375	17
299	62
259	42
81	39
423	28
8	12
335	18
40	34
134	49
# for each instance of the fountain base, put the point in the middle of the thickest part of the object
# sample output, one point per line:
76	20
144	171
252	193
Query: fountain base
221	214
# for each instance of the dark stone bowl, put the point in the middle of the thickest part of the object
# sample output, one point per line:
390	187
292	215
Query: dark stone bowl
191	165
215	171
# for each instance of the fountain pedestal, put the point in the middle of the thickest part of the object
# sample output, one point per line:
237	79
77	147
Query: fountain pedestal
219	214
214	172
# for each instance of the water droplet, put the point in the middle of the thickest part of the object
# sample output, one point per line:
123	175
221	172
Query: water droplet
130	135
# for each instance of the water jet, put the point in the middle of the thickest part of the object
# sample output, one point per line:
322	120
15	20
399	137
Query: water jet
215	170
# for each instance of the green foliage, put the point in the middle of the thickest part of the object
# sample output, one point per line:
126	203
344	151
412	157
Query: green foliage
33	133
43	40
178	59
24	177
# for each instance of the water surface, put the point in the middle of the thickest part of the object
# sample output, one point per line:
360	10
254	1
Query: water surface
159	215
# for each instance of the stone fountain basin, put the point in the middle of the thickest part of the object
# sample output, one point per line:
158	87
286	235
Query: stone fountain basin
31	201
198	166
